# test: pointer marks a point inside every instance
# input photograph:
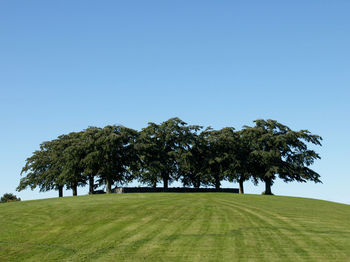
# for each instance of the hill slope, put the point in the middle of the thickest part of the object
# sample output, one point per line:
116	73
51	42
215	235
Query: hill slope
175	227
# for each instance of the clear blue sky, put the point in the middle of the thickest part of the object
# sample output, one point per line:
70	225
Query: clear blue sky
67	65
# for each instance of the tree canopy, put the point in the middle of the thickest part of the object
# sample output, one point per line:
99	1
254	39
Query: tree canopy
281	152
9	197
172	151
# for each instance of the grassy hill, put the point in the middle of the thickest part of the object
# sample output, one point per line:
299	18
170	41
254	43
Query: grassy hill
175	227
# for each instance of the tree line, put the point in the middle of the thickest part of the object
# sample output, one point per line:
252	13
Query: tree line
172	151
8	197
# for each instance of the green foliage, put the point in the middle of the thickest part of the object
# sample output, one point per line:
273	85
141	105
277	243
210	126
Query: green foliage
192	159
280	151
115	155
9	197
43	169
220	154
172	151
162	148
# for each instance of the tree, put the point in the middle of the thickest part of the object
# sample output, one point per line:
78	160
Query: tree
191	161
78	157
57	163
282	152
160	146
9	197
43	169
71	150
172	151
115	155
90	162
241	165
220	154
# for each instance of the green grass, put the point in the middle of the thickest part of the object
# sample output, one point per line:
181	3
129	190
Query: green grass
175	227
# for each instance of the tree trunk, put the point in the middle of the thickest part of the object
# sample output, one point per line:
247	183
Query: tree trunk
60	191
165	181
75	190
241	188
91	185
108	186
197	183
217	182
154	184
268	186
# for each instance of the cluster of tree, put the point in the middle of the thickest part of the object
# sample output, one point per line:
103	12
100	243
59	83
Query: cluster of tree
172	151
8	197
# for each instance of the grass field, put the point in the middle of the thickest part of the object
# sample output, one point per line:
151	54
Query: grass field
175	227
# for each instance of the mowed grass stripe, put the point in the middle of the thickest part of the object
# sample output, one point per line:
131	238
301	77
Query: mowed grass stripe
92	236
120	229
297	238
265	238
298	232
312	238
164	242
245	237
224	242
270	237
123	240
175	227
153	239
194	241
